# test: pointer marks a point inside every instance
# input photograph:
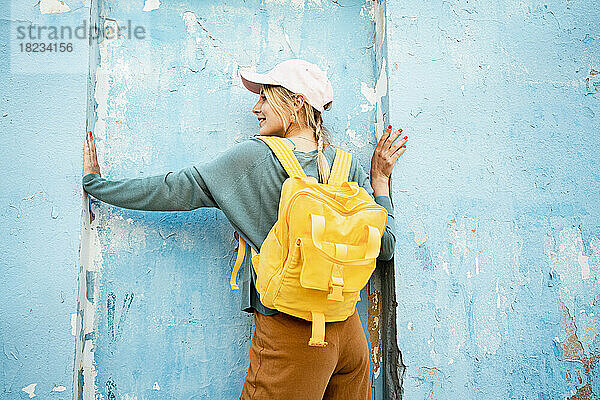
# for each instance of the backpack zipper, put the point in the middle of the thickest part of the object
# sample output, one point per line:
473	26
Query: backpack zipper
343	210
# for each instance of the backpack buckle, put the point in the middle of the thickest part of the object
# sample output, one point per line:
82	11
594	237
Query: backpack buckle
337	284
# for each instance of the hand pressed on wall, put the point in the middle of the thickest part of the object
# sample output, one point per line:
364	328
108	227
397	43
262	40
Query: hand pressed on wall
90	161
385	155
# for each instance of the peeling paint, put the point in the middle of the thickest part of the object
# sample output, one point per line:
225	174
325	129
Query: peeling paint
585	268
90	259
572	350
30	389
431	377
295	3
53	6
417	227
592	81
565	256
378	16
73	323
374	328
191	21
464	238
375	96
59	388
150	5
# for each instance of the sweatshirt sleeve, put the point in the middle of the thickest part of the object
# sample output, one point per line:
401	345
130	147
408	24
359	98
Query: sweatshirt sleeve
183	190
388	240
203	185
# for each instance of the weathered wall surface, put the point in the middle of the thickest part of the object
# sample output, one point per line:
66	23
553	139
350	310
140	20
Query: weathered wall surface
498	200
42	117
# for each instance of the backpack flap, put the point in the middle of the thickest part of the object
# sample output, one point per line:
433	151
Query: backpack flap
337	267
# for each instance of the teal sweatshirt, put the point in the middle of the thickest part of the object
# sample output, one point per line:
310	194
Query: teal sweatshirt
245	183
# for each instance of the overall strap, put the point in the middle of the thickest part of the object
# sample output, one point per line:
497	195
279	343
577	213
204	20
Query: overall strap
284	154
317	337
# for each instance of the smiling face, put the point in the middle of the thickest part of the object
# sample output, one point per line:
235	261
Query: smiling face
269	121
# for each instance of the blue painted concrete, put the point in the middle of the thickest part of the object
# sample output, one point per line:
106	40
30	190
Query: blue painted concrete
42	120
498	245
497	199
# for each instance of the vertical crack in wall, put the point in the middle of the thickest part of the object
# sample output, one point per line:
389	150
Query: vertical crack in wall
393	367
85	322
85	328
374	326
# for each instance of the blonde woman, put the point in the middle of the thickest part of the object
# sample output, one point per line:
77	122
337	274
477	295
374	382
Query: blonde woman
245	183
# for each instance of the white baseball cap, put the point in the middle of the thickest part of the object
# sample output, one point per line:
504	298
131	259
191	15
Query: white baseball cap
297	75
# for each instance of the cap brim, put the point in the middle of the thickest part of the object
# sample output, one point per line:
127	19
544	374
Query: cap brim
253	81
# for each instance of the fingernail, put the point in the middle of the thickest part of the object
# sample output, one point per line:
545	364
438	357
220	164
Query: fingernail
405	137
389	127
404	146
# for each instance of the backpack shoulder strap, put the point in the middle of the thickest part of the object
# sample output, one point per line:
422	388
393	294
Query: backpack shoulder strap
284	154
340	168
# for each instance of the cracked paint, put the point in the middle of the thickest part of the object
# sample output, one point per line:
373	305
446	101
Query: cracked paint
566	256
377	14
374	328
431	378
295	3
417	227
150	5
572	350
30	389
592	81
53	6
73	323
85	320
374	95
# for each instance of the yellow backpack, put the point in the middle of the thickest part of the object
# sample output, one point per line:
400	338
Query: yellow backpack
322	250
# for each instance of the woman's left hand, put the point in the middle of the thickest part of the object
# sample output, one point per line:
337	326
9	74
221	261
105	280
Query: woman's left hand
385	155
90	161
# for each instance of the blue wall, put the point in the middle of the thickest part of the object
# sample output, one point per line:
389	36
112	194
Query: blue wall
42	119
498	255
497	198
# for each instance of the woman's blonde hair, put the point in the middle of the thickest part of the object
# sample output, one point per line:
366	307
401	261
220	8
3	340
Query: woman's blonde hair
282	100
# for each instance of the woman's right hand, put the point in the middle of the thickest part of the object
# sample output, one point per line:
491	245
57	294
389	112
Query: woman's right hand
90	161
386	154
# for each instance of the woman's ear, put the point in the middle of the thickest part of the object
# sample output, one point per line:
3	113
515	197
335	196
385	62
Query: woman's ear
299	102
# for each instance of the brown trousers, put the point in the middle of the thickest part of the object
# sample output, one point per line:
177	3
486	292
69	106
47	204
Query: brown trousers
284	367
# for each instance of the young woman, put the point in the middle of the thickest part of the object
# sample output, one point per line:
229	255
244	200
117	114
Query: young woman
245	183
